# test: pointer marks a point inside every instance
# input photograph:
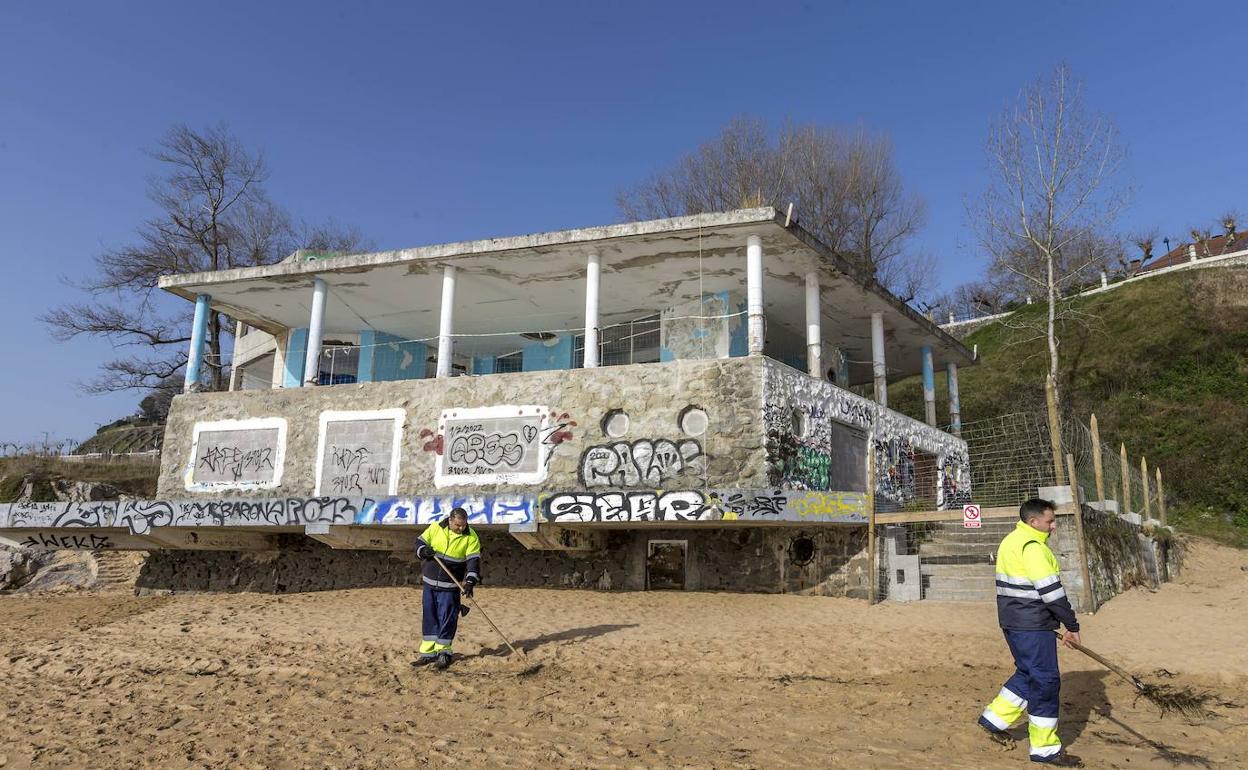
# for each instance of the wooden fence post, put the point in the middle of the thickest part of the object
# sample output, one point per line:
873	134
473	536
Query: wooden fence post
1148	504
1082	544
1161	499
1097	466
1125	503
1055	431
873	578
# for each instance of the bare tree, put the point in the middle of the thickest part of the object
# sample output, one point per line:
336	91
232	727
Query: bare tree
844	186
214	215
1145	241
1052	195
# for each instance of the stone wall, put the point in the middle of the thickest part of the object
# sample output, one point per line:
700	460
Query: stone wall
1123	555
646	404
828	561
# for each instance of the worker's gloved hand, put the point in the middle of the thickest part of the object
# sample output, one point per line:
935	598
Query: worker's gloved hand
424	552
469	583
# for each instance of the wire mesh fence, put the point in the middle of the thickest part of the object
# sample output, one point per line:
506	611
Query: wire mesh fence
1010	456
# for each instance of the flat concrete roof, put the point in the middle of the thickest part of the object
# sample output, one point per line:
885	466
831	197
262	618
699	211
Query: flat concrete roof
533	283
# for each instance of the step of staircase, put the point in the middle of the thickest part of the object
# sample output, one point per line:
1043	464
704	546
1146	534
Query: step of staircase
118	570
957	549
960	595
979	571
962	583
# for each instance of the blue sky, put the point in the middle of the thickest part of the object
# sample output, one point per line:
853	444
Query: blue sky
425	123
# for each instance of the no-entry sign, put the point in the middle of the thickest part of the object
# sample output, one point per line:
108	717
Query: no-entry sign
970	516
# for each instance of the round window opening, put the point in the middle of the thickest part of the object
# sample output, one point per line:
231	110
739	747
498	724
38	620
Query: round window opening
615	423
693	420
801	551
798	423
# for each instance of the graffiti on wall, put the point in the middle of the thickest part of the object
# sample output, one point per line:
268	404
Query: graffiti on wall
895	475
793	460
704	505
236	454
792	400
52	541
492	445
481	509
358	452
643	462
141	516
954	489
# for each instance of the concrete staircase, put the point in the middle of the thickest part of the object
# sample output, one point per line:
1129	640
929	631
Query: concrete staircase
117	570
956	564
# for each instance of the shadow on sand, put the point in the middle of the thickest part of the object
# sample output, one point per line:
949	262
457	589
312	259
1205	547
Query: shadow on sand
568	635
1083	693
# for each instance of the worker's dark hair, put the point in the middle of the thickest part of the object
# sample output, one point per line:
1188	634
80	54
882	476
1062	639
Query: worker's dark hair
460	512
1034	508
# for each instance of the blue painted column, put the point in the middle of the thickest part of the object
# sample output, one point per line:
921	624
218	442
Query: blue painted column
955	403
368	341
929	385
296	348
199	329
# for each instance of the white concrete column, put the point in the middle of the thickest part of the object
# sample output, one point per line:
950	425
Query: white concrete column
878	368
593	269
447	322
955	401
312	358
754	293
814	334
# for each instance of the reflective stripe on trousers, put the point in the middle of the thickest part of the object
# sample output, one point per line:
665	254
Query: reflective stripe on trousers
1033	689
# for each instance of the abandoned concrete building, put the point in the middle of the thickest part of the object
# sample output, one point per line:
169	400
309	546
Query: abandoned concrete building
663	404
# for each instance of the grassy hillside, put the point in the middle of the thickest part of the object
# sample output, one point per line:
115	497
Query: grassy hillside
1164	365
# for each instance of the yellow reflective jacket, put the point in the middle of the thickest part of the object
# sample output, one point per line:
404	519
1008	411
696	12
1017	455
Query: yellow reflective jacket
1030	596
460	553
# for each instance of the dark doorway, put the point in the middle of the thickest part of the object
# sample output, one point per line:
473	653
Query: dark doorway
665	565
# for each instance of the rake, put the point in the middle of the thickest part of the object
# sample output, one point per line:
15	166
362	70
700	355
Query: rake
1166	698
530	668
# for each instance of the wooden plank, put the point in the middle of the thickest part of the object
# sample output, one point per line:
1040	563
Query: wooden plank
1097	467
1124	505
1082	544
1161	499
908	517
872	521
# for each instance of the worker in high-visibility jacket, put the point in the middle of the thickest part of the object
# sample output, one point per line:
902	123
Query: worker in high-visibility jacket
457	546
1031	602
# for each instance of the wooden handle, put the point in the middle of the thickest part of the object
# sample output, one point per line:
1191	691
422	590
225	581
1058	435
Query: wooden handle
1136	683
460	586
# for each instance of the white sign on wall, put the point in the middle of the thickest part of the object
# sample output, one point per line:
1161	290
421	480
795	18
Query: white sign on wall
358	452
970	516
492	445
237	454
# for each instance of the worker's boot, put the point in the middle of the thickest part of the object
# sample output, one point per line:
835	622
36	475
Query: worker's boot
999	737
424	660
1064	759
444	661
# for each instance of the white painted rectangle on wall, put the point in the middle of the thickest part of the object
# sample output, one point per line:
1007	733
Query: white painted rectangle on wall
358	452
492	445
236	454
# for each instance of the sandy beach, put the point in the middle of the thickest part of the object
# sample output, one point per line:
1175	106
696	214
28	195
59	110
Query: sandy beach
697	680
